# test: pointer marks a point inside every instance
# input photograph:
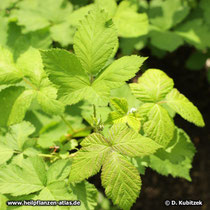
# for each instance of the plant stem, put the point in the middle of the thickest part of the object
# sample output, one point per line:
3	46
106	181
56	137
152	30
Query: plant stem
29	83
45	155
161	102
70	136
67	123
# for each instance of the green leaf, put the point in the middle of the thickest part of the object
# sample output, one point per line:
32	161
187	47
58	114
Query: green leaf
129	22
90	158
194	32
128	45
18	136
165	40
120	71
14	102
128	142
86	193
160	126
110	6
46	97
31	65
21	181
58	171
62	33
3	200
125	92
176	159
122	115
9	74
121	180
204	4
179	103
41	14
166	14
65	70
5	153
55	191
152	86
95	41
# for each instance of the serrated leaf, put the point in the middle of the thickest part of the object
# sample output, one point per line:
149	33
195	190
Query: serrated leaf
160	126
20	106
20	181
129	22
56	191
9	74
31	65
95	41
176	159
128	142
41	14
90	158
120	71
122	115
65	70
152	86
58	171
86	193
121	180
14	102
110	6
18	135
179	103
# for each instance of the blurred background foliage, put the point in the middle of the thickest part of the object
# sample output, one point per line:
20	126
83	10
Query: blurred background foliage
162	26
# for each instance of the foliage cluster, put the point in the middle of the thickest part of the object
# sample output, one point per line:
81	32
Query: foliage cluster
56	101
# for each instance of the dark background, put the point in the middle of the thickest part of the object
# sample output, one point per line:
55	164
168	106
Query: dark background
155	187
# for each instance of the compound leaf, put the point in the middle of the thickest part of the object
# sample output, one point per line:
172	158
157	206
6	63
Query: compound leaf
179	103
65	71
